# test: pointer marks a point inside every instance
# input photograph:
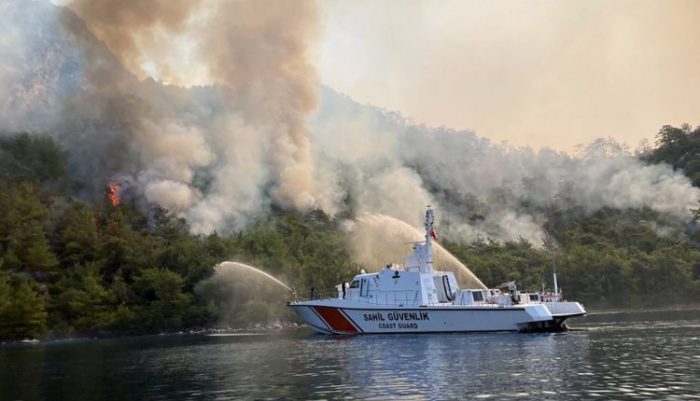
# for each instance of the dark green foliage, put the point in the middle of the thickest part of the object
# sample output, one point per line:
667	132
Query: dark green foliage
680	148
81	301
22	308
77	235
166	303
23	242
30	158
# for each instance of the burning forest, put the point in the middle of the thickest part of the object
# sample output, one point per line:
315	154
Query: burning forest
205	126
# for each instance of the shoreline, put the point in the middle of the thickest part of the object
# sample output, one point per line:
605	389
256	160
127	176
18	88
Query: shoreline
258	329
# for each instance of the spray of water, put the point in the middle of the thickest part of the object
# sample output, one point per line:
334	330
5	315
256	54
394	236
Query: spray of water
221	267
243	295
378	239
450	260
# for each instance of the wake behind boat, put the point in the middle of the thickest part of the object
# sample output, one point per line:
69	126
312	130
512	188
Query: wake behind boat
414	298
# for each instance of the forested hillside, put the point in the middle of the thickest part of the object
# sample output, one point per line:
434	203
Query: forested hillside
680	148
89	266
76	263
613	257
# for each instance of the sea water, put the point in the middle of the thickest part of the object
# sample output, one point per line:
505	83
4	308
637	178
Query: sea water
627	355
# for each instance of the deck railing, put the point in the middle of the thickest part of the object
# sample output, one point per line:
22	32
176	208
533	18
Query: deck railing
408	297
400	297
310	295
411	298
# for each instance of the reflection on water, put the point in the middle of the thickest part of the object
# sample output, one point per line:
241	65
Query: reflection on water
647	355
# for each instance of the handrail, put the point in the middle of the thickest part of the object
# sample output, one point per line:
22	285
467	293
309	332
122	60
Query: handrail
399	297
404	297
316	295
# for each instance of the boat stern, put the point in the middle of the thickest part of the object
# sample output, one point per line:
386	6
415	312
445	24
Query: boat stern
566	309
559	312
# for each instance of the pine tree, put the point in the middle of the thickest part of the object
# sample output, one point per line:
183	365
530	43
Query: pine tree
24	316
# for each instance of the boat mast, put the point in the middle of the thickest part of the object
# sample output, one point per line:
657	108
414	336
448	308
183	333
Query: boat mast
429	233
551	245
554	273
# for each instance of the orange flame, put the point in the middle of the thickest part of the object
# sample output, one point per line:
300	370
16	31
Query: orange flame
112	193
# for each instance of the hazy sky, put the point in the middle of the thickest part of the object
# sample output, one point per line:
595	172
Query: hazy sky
553	73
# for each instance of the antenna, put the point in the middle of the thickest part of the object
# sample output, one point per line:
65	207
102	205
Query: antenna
554	272
427	257
551	245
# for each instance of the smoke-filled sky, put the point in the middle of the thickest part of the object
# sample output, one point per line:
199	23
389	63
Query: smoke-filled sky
552	73
116	82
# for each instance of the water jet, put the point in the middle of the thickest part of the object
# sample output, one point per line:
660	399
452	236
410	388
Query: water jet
378	239
232	265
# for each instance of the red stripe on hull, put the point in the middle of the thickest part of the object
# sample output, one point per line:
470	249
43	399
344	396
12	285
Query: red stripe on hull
335	319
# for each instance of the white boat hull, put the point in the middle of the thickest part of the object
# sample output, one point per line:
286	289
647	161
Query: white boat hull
331	318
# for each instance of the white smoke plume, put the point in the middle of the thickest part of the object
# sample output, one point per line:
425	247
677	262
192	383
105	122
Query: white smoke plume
479	189
216	155
209	108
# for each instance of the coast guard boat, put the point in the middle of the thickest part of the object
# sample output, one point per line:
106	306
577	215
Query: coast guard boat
414	298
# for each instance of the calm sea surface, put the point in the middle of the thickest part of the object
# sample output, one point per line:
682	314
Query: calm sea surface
627	356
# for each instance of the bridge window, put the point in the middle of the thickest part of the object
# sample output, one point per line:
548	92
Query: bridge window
478	296
355	284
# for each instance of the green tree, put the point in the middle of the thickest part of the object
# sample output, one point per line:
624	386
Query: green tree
24	316
82	302
165	304
27	157
78	236
33	250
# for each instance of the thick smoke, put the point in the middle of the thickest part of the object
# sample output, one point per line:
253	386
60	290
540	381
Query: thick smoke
218	155
257	52
388	165
137	32
207	108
